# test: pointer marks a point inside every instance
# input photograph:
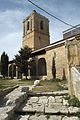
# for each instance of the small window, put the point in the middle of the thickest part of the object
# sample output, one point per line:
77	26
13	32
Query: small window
28	25
41	25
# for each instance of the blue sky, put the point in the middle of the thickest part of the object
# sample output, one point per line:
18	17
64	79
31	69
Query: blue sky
12	13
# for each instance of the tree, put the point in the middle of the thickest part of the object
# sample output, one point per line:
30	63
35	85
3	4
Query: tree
4	64
53	68
21	60
0	66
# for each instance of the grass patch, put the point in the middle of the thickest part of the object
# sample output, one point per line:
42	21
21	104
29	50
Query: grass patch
62	88
46	86
5	83
3	87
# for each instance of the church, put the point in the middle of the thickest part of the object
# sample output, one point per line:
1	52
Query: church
36	36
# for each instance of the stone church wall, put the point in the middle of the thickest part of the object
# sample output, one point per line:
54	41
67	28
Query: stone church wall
59	53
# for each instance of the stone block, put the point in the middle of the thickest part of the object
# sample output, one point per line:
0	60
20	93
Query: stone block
51	99
25	117
72	109
70	118
43	99
55	117
33	100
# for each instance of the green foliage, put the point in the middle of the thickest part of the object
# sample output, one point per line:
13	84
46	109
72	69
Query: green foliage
67	97
21	60
0	65
52	80
62	88
4	64
53	68
56	80
74	102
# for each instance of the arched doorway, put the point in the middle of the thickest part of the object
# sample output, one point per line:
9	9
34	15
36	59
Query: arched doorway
14	70
42	70
33	69
10	70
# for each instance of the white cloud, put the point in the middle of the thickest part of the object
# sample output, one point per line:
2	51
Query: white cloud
11	31
11	43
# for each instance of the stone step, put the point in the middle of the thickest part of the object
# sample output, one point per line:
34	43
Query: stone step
47	105
57	93
46	117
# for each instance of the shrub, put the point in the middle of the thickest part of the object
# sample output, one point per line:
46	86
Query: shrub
74	102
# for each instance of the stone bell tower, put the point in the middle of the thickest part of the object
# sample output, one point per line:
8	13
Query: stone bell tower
36	31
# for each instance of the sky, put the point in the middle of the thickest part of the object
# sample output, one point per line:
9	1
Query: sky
12	13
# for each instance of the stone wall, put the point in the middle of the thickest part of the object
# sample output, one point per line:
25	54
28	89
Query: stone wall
7	90
59	53
73	55
75	77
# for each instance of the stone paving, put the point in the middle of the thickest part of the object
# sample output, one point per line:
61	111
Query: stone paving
20	104
47	107
12	101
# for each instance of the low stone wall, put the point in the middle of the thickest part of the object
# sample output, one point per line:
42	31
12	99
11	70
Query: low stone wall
7	90
75	76
12	101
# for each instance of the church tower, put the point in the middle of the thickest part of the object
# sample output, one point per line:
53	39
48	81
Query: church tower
36	31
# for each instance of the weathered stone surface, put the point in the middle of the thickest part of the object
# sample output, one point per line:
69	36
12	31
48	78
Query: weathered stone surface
72	109
51	99
55	117
13	100
25	117
41	117
33	100
58	99
65	102
32	108
38	107
60	92
3	116
70	118
27	108
52	107
43	99
64	110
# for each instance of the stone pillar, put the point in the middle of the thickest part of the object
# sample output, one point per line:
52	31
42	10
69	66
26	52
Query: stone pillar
8	70
12	70
16	72
24	28
28	72
72	60
37	69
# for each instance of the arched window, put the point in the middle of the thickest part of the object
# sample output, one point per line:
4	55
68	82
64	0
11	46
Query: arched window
28	25
41	25
42	70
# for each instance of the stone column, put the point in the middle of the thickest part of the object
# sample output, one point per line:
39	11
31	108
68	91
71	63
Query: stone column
16	72
24	28
37	69
72	61
8	70
12	70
